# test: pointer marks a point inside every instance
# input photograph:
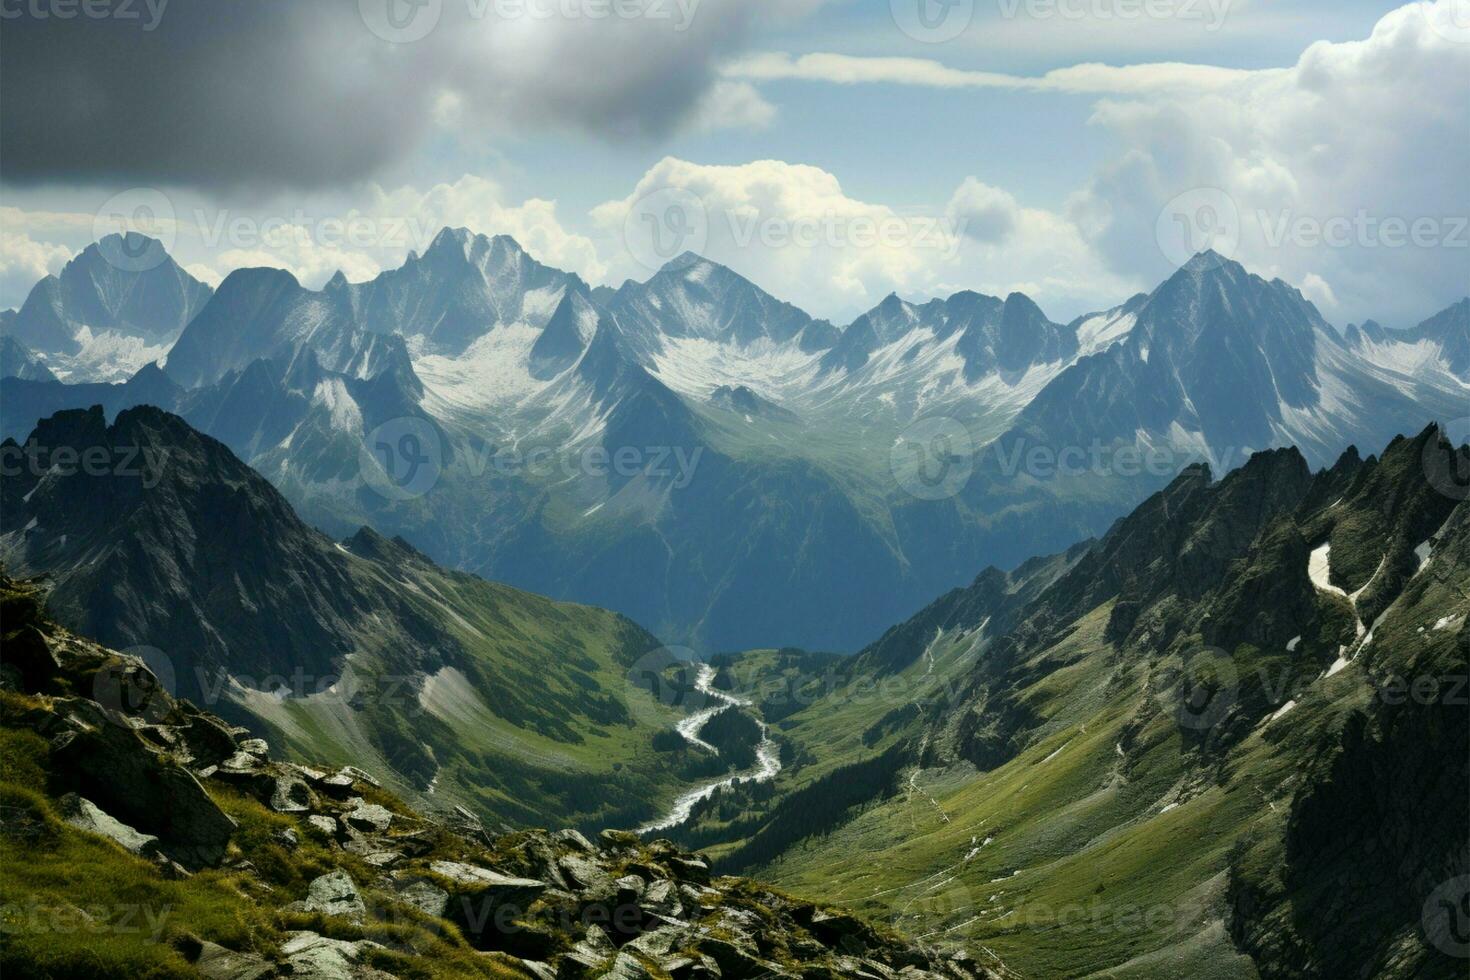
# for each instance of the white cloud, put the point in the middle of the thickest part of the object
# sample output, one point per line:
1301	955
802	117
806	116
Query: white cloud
795	232
1316	289
1087	79
734	105
206	274
1326	168
982	212
23	262
1321	164
788	227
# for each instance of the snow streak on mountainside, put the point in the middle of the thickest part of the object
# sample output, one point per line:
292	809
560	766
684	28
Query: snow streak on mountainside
1438	346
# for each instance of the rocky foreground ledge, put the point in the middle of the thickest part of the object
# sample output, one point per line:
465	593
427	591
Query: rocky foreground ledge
141	835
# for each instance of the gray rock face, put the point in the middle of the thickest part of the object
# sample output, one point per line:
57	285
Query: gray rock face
425	896
217	963
335	894
17	361
128	776
85	815
369	816
626	967
323	824
292	795
313	957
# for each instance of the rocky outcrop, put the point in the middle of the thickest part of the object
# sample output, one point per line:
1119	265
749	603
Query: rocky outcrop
143	769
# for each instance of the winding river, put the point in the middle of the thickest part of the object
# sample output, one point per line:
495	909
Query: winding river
767	754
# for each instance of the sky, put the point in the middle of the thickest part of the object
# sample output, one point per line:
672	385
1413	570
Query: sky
833	151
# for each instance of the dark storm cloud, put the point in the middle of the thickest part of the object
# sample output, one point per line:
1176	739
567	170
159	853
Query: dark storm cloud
303	94
219	92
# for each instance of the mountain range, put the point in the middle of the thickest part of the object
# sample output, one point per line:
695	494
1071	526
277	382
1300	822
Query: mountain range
1226	738
709	460
361	651
1191	747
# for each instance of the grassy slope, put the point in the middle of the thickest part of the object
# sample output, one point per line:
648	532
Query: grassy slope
75	906
537	725
1073	859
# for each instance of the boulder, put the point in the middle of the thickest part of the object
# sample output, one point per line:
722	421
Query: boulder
659	943
369	817
736	957
310	956
240	762
590	880
483	903
337	784
424	895
215	962
581	962
374	851
626	967
484	884
573	839
29	656
661	898
86	815
615	840
340	782
335	894
209	740
292	795
538	969
126	776
322	824
690	869
256	747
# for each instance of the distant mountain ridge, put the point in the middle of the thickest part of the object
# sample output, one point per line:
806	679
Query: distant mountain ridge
353	651
794	434
116	306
